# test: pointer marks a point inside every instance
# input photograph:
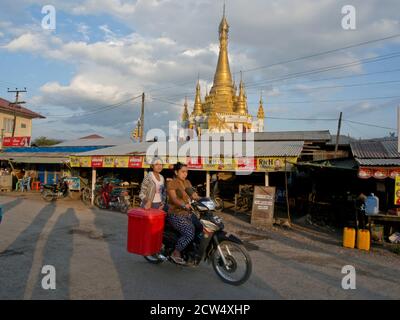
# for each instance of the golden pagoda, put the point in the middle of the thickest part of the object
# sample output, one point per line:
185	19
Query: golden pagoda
223	109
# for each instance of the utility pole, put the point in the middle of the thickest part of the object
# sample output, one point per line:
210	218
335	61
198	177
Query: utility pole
398	129
338	133
142	119
14	104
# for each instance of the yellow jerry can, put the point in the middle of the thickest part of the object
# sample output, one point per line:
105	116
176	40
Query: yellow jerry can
349	237
363	240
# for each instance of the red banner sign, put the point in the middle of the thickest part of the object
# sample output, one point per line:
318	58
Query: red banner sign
16	141
246	164
135	162
378	173
97	162
194	163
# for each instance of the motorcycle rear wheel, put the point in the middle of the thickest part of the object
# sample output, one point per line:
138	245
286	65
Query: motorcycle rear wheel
48	196
233	253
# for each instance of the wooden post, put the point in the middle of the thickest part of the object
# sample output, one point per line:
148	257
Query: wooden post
267	179
208	185
93	185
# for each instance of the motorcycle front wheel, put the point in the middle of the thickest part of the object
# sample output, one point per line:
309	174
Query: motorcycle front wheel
47	196
99	202
238	265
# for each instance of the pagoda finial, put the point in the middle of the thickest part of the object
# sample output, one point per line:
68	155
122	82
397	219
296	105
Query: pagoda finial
260	113
185	114
197	109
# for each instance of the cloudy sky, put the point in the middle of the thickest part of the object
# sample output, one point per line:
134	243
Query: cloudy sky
83	75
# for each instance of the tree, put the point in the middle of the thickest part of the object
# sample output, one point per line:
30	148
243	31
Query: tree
44	141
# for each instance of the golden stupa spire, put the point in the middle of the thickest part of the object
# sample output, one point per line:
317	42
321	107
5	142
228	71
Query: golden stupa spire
241	106
260	113
185	113
223	77
197	110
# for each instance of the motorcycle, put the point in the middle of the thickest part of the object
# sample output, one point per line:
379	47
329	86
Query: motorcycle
219	203
110	197
52	192
229	258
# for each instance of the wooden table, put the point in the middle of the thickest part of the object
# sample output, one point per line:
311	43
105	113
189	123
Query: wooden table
384	219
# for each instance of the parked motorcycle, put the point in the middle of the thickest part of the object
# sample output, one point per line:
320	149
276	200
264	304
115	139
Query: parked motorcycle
52	192
112	197
229	258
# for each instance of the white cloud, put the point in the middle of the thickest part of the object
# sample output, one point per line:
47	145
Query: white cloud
172	41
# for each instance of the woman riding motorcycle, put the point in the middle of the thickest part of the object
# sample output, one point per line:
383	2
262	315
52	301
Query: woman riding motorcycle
179	214
153	192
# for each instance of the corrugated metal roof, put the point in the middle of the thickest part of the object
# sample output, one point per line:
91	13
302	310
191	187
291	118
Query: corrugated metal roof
375	149
378	162
35	158
261	149
391	148
93	142
320	136
50	149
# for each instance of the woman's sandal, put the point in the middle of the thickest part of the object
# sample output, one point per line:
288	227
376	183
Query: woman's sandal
178	260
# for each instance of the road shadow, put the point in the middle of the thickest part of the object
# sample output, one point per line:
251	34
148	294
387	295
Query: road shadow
11	205
142	280
16	260
58	253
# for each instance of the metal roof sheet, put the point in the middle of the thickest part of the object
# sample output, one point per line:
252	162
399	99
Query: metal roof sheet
93	142
266	149
375	149
378	162
320	136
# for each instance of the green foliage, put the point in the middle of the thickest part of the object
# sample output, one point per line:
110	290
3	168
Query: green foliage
44	141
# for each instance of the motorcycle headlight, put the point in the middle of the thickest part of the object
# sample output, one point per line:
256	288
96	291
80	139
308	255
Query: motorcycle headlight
209	204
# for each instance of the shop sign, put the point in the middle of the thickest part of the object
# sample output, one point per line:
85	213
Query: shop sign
121	162
397	191
365	173
246	164
272	164
16	141
194	163
97	162
380	173
85	162
108	162
74	183
262	214
394	173
74	161
135	162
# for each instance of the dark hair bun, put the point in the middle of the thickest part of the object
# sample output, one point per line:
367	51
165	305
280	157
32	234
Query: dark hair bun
179	165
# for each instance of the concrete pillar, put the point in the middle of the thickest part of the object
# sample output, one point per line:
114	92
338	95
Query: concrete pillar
93	185
208	185
267	179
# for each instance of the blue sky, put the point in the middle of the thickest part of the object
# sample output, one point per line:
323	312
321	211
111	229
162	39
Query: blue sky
104	52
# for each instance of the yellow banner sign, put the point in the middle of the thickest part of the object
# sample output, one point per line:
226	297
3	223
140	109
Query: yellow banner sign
85	162
121	162
74	161
397	191
275	163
